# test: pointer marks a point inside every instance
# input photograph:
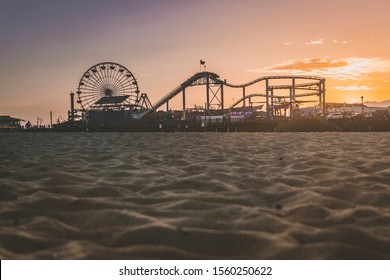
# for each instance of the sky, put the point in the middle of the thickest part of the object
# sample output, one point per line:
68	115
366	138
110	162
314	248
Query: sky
46	46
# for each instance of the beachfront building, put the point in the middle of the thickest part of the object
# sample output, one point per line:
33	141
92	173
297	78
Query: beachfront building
355	108
7	122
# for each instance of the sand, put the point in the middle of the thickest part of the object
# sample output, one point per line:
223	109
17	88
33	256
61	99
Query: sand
195	195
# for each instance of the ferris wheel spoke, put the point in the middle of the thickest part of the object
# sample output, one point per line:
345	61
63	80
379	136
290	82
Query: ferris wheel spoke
91	88
104	75
124	83
94	81
89	102
118	85
116	82
87	93
99	75
119	82
94	84
95	76
90	93
88	80
124	78
97	81
131	93
112	81
127	91
89	97
117	77
107	74
110	73
87	90
89	85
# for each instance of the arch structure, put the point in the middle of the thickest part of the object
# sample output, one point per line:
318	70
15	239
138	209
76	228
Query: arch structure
277	92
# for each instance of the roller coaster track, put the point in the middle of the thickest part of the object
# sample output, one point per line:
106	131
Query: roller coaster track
273	78
189	82
212	78
248	96
264	95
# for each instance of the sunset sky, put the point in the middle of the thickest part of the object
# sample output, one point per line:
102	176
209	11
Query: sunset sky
47	45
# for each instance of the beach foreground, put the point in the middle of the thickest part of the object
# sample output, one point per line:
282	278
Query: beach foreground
195	195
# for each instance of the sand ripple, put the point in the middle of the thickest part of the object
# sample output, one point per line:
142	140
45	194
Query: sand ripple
195	196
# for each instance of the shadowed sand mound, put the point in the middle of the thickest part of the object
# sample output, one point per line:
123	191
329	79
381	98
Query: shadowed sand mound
195	196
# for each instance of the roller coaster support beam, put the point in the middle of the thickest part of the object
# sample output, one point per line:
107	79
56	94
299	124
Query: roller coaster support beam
167	105
292	95
293	89
207	93
272	102
322	91
243	97
222	106
184	103
320	104
267	97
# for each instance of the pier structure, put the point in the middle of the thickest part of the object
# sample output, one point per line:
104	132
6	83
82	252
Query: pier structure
109	88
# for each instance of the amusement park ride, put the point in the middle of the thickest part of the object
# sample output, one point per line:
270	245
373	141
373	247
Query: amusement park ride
108	92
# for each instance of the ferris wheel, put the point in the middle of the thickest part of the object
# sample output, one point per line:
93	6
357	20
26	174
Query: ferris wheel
107	85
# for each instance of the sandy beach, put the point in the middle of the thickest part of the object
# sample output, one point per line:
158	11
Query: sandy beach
195	195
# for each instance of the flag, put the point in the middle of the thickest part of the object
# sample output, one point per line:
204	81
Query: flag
202	63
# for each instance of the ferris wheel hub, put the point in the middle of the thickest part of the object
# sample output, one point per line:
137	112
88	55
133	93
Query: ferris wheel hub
108	91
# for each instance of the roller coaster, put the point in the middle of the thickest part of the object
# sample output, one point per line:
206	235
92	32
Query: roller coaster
111	87
297	87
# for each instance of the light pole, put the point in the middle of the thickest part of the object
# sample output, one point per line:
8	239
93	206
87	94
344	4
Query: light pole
362	105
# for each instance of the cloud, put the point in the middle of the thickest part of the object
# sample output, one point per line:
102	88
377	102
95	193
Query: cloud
322	41
350	68
353	88
315	42
309	64
342	42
